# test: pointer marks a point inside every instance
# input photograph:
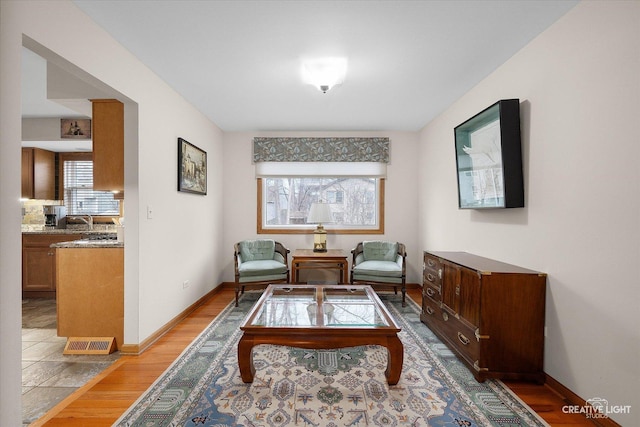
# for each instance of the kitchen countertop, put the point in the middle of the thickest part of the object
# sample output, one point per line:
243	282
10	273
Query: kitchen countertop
42	229
102	235
88	244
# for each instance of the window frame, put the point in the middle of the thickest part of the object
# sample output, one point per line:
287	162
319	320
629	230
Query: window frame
298	230
81	156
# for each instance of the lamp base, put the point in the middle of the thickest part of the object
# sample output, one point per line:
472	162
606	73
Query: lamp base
320	246
319	239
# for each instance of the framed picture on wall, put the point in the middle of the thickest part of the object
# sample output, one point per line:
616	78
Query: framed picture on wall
75	128
489	158
192	168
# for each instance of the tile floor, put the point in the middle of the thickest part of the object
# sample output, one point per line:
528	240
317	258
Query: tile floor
48	376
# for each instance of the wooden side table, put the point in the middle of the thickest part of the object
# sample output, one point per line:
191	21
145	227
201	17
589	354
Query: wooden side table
307	259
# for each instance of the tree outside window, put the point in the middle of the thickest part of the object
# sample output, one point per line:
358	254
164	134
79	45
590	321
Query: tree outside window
356	203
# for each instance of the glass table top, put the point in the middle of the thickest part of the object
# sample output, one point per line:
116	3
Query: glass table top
313	306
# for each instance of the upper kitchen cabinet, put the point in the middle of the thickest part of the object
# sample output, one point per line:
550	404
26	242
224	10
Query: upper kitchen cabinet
108	144
38	174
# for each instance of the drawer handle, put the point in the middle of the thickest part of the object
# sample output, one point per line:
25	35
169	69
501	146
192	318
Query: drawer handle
431	277
430	292
431	263
464	340
458	289
445	316
480	337
476	366
429	310
440	274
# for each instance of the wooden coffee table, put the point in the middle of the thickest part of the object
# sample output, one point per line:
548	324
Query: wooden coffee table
320	317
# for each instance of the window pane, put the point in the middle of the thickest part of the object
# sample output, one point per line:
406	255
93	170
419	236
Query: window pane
354	201
79	196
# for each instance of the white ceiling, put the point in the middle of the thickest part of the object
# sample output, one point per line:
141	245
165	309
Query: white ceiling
239	62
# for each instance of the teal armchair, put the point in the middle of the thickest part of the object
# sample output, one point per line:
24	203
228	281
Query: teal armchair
259	263
381	265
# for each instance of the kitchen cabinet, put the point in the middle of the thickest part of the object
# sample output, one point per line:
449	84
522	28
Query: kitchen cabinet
38	174
90	292
38	264
108	144
491	314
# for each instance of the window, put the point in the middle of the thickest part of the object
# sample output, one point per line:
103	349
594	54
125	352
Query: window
335	196
356	203
77	186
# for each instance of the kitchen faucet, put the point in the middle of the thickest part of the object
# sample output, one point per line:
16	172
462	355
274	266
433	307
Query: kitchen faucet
88	220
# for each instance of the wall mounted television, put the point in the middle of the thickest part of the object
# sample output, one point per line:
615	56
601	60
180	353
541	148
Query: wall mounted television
489	158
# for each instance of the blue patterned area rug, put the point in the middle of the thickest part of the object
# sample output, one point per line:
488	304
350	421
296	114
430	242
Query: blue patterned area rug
329	388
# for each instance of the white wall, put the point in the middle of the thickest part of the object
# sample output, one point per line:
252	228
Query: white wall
10	240
579	87
183	241
401	214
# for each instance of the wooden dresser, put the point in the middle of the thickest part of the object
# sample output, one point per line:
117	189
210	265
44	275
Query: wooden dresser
489	313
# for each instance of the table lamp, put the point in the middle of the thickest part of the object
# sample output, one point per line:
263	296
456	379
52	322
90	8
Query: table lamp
318	214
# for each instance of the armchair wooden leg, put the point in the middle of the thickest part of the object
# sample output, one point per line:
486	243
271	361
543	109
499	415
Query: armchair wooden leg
404	296
237	291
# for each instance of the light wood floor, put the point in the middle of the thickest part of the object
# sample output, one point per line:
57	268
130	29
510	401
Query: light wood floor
108	396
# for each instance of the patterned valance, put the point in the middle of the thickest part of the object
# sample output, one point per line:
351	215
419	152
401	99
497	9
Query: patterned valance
321	150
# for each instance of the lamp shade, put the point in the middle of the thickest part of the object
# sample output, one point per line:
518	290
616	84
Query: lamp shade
319	213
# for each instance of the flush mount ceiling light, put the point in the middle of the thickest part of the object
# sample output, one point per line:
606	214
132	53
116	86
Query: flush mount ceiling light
324	73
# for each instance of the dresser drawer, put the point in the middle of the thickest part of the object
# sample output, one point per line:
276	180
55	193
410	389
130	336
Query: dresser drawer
432	262
431	316
432	271
457	333
461	336
429	307
432	278
432	291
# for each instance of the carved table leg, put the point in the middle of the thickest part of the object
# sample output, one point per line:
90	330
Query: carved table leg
395	351
245	358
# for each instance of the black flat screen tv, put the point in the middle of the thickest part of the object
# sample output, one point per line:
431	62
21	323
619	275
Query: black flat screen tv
489	158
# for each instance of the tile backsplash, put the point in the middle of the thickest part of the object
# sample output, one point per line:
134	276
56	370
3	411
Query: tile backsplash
33	212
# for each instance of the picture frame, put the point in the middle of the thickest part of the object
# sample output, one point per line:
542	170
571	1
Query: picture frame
75	128
489	158
192	168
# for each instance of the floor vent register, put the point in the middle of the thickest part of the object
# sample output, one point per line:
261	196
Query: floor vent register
90	345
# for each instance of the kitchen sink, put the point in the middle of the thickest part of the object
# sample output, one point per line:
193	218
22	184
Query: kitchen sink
101	236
